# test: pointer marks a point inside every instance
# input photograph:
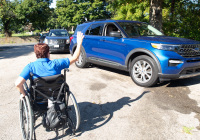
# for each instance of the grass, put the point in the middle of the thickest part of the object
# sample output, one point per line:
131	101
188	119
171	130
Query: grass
187	129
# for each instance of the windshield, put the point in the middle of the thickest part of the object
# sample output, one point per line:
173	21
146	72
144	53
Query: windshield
139	29
58	33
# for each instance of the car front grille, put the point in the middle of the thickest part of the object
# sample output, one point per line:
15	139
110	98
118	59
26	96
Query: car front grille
57	42
189	50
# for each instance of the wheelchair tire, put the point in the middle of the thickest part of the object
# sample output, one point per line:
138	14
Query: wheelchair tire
73	112
26	118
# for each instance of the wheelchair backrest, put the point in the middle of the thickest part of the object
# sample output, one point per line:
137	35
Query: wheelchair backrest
49	85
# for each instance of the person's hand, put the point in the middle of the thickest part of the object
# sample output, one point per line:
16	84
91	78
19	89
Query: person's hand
22	96
80	37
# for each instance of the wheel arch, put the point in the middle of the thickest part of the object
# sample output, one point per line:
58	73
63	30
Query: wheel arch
74	48
140	51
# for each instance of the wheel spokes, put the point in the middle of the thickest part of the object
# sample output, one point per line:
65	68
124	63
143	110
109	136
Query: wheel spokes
142	71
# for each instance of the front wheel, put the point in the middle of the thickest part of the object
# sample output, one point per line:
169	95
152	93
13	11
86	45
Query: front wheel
144	71
73	112
81	62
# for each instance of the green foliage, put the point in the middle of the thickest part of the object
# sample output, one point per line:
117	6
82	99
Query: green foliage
129	9
180	19
8	17
36	12
72	13
52	22
185	21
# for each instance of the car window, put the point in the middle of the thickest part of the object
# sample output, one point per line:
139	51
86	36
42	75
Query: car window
110	28
58	33
79	28
45	34
139	29
95	29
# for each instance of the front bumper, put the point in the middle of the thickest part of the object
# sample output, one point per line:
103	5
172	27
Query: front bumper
185	73
59	48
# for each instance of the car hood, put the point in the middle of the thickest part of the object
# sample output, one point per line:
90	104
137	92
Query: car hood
57	37
167	40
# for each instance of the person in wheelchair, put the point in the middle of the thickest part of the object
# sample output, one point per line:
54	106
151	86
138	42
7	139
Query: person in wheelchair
47	85
43	66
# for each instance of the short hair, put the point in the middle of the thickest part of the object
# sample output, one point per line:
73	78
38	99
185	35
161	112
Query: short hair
41	50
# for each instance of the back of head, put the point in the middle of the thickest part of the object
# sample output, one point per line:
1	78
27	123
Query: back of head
41	50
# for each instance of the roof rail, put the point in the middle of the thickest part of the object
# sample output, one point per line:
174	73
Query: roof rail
96	20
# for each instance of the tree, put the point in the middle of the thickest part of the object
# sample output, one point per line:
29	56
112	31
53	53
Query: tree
36	12
8	18
130	10
72	13
52	23
184	20
155	14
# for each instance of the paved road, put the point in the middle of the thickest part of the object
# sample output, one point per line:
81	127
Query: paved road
111	105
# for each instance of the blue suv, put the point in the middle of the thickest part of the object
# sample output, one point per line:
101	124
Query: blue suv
139	48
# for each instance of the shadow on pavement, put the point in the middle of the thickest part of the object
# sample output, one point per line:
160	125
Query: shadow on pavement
15	51
126	73
94	115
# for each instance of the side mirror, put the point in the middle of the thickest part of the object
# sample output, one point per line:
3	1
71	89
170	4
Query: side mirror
115	34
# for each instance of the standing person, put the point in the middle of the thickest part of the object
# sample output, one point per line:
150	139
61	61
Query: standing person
43	66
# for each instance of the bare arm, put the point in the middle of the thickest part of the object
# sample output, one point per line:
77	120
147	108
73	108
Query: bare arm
19	85
76	54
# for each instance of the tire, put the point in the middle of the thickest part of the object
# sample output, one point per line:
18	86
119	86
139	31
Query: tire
26	118
144	71
82	62
73	112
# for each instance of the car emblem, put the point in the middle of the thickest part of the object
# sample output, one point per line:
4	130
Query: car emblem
196	49
56	42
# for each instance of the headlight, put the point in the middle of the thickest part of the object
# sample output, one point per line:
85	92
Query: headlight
67	41
45	41
167	47
50	41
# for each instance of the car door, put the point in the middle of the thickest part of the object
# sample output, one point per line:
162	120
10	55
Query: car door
92	38
112	49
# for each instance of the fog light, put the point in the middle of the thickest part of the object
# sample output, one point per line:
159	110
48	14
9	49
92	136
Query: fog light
175	62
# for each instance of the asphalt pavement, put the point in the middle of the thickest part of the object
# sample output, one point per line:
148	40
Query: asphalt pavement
111	105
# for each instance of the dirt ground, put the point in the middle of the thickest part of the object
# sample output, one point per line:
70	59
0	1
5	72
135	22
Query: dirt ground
22	39
111	105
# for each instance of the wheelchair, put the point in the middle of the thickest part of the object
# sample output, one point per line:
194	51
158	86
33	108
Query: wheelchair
44	94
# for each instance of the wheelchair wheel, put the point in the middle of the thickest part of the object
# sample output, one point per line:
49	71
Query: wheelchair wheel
26	118
73	112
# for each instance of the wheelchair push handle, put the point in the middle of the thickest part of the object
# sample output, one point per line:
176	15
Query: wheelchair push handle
66	69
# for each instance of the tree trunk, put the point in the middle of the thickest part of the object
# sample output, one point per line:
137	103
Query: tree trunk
155	14
6	29
172	10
